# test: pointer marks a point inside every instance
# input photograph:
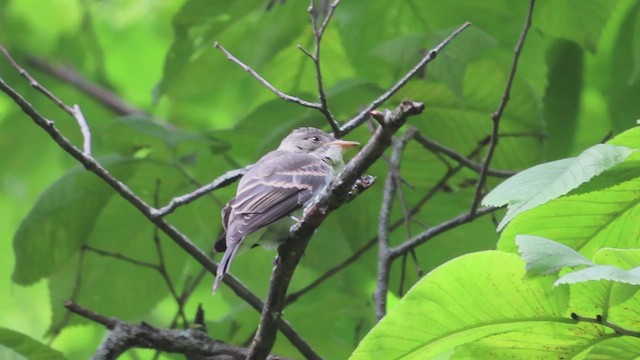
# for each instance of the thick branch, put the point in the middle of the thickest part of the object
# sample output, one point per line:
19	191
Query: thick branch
125	336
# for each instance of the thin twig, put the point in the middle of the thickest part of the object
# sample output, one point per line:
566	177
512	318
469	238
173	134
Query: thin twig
221	181
534	134
430	233
318	32
364	114
264	82
436	147
186	293
497	115
384	256
36	85
119	257
108	322
74	110
162	267
329	273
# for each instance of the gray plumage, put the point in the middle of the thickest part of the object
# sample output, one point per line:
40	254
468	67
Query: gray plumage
279	183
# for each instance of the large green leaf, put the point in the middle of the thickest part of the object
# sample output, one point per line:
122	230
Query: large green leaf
544	256
17	346
610	270
62	219
585	222
472	298
600	213
542	183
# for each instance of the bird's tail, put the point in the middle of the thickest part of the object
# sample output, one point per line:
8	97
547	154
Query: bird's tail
225	263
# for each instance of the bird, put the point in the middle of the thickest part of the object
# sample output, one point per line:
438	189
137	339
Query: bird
278	184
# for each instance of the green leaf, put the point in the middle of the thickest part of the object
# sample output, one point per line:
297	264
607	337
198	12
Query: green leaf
464	301
542	183
62	219
13	343
544	256
616	260
585	222
601	272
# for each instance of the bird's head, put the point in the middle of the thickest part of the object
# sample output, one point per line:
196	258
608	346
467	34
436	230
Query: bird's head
312	140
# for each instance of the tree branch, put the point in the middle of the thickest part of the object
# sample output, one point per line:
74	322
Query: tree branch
125	336
438	229
221	181
264	82
436	147
74	110
364	114
497	115
318	32
384	255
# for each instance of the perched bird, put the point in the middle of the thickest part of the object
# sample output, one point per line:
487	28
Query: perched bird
280	182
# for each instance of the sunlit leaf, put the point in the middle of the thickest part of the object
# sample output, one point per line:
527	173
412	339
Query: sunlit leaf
443	312
542	183
544	256
601	272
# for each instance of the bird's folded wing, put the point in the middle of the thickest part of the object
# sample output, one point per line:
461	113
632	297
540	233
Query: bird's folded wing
279	188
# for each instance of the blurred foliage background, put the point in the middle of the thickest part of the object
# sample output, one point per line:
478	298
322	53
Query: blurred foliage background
200	115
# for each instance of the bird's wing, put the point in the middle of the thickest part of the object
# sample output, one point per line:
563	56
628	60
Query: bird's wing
280	185
275	186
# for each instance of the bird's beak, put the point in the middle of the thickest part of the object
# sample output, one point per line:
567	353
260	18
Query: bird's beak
344	144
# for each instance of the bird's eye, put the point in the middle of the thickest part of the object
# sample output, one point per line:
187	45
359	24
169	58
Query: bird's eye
314	138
